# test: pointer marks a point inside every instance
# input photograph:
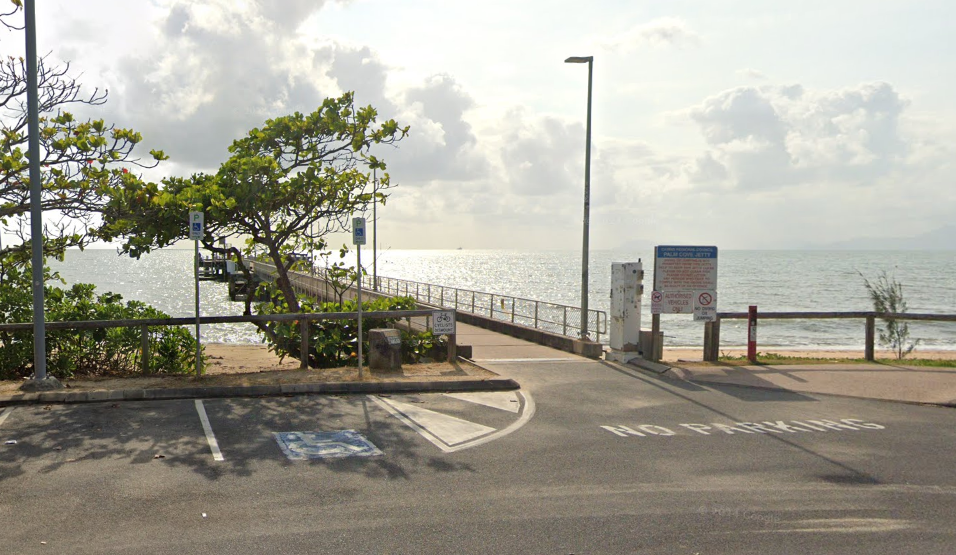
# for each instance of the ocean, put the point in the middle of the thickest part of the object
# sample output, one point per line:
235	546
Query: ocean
772	280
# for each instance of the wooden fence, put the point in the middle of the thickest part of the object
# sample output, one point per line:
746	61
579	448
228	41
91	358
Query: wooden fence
712	329
303	318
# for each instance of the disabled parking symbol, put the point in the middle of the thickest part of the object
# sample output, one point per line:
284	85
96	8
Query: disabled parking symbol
300	446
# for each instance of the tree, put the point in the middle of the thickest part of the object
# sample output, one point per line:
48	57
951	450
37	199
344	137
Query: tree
81	160
887	296
283	189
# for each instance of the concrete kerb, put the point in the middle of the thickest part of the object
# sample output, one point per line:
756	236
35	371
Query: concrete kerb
325	388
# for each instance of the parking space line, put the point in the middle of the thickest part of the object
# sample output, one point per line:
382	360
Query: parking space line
3	415
210	437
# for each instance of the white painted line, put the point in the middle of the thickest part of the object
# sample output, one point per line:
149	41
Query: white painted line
210	437
501	400
444	431
3	415
526	414
579	359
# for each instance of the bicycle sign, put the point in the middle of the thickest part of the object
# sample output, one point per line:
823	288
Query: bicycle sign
444	323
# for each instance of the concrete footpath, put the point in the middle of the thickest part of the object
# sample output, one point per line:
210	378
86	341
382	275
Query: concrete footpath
870	381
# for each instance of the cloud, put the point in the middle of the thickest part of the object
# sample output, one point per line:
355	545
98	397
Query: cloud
771	137
751	73
442	146
668	31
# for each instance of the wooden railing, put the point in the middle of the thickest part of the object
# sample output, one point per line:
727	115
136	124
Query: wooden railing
303	318
712	329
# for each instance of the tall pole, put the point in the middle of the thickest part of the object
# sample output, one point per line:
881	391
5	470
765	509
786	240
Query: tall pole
587	197
36	194
359	262
196	260
374	230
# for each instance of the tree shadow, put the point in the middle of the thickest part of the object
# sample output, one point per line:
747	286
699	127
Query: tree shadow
52	438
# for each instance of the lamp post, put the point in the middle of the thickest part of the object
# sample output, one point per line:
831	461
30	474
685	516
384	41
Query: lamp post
374	230
589	60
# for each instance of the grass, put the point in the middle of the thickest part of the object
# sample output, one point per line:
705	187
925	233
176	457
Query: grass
775	359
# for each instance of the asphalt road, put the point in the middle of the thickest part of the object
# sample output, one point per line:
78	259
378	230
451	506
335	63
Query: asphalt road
589	458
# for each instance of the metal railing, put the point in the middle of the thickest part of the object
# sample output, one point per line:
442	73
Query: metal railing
551	317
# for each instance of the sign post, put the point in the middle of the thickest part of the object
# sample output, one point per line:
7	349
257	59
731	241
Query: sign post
685	282
358	239
196	222
444	323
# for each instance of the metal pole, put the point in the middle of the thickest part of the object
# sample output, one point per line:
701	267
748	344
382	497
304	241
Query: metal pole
359	262
36	193
198	344
374	230
587	211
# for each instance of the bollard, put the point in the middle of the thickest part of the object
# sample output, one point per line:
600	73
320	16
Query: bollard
752	334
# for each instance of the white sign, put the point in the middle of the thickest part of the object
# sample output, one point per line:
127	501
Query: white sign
444	323
685	269
657	301
196	223
358	231
705	306
672	302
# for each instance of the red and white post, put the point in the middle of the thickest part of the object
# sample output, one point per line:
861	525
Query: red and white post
752	334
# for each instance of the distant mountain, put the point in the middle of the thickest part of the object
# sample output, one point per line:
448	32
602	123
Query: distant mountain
943	238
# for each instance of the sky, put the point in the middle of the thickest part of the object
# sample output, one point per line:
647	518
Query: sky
739	123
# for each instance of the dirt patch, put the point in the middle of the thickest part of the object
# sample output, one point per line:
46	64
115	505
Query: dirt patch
246	365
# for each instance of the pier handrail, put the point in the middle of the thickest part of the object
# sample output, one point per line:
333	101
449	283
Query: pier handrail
712	329
552	317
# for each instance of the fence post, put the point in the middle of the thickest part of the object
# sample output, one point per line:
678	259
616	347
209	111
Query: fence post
452	348
565	321
536	315
144	347
868	353
472	302
304	345
491	306
512	310
712	340
752	334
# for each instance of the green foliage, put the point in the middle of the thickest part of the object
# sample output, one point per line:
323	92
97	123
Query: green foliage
334	343
105	351
887	296
80	161
284	187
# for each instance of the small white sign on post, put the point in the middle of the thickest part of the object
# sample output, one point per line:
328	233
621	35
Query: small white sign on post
196	223
358	231
444	323
705	306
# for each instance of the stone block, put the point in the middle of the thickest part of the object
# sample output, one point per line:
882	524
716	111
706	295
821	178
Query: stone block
385	350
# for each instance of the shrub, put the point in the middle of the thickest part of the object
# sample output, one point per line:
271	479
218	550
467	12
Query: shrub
334	343
105	351
887	296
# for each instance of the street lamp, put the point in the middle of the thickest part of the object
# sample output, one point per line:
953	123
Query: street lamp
589	60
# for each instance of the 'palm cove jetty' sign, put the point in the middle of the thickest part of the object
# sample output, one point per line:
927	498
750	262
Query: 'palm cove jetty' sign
685	281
